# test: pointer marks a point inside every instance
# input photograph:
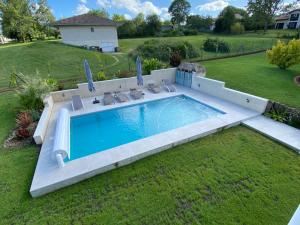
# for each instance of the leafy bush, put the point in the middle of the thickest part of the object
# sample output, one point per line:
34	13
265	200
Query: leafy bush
285	55
175	59
24	119
101	76
32	89
188	32
237	28
152	64
215	45
162	50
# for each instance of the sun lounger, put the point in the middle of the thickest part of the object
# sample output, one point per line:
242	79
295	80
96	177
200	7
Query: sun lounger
168	85
136	94
121	97
153	88
77	102
108	99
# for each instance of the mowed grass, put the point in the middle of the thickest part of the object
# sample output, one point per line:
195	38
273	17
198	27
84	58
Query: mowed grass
233	177
51	58
253	74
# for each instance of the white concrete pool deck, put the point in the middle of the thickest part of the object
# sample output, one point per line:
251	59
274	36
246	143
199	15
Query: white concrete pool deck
49	177
280	132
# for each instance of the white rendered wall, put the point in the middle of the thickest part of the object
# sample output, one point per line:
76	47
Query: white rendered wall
218	89
82	35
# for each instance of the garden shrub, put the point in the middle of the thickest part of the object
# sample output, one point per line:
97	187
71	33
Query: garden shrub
32	89
152	64
175	59
237	28
285	55
162	50
215	45
101	76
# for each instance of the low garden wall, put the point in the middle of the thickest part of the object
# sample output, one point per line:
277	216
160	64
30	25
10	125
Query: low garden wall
122	84
218	89
283	113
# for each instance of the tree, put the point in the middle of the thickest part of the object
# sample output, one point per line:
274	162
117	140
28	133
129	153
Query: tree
118	18
139	19
43	17
263	11
127	29
225	20
285	55
179	10
99	12
198	22
153	25
229	16
17	19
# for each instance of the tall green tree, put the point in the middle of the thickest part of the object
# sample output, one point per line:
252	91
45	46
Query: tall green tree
17	19
99	12
118	18
179	10
198	22
263	11
153	25
43	17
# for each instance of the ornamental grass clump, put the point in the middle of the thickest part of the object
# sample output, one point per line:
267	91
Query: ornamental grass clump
285	55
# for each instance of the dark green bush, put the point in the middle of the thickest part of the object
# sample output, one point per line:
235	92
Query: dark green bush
162	50
188	32
215	45
175	59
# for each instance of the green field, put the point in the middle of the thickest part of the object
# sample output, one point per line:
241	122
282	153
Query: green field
63	62
234	177
250	73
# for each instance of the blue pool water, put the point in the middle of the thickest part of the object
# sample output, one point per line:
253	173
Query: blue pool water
100	131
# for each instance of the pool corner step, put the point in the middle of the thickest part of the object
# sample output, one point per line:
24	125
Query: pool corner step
280	132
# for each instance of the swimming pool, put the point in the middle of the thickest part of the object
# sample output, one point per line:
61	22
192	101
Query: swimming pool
99	131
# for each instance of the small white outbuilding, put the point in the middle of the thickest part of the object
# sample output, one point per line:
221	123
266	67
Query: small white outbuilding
89	30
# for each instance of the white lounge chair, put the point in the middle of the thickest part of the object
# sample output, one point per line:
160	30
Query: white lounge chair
77	103
168	85
154	88
136	94
121	97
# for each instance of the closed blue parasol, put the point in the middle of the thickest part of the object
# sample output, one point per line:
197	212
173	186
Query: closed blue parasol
139	71
89	77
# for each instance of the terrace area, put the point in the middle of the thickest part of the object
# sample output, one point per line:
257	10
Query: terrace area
238	107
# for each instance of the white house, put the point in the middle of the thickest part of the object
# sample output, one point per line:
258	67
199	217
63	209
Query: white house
290	20
89	30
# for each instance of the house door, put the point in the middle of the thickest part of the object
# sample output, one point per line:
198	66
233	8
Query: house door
107	46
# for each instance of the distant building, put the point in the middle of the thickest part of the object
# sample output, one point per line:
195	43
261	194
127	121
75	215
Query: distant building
290	20
89	30
167	27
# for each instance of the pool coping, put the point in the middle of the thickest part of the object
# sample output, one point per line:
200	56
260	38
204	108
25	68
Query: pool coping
49	177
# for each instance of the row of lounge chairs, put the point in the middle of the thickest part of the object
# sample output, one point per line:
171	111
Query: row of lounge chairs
110	98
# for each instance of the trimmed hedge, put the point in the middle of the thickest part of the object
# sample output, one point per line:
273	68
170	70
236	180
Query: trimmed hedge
215	45
162	50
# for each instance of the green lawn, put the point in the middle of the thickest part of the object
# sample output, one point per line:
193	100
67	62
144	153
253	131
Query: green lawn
234	177
65	62
253	74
